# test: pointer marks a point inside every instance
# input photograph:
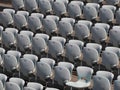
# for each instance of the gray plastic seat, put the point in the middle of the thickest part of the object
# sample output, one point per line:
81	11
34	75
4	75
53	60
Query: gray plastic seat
3	79
14	31
11	86
62	75
117	15
20	82
116	50
32	57
1	86
96	46
72	52
101	83
10	63
90	55
36	86
112	2
99	34
50	26
8	39
59	8
116	84
53	17
8	10
65	29
44	71
86	22
6	19
110	59
111	7
39	45
68	65
77	42
20	21
106	15
55	48
74	10
42	35
90	13
49	61
28	88
27	67
62	40
107	74
24	13
30	5
45	6
23	43
17	4
29	34
81	31
84	78
69	20
39	15
95	5
114	37
34	24
103	25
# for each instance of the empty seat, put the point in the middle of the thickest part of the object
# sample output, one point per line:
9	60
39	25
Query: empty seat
116	84
84	78
18	4
8	10
11	86
6	19
34	24
24	13
30	5
100	82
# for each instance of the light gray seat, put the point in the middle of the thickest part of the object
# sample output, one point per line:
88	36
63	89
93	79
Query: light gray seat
68	65
23	43
114	37
39	15
65	29
48	88
55	49
62	75
49	61
28	88
111	7
59	8
44	71
20	82
6	19
90	13
117	15
50	26
95	5
24	13
10	63
69	20
3	79
1	86
62	40
17	4
27	67
103	25
116	84
112	2
90	55
34	24
77	42
99	34
86	22
107	74
20	21
39	46
101	83
8	39
84	78
11	86
116	50
96	46
110	59
36	86
14	31
30	5
8	10
74	10
106	15
45	6
42	35
53	17
72	52
29	34
81	31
